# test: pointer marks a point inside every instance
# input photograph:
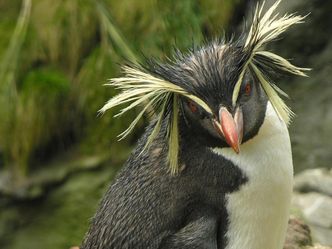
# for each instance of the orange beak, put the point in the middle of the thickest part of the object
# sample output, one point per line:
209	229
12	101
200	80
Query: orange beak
231	128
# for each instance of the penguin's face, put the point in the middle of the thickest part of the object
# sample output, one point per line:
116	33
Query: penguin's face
230	124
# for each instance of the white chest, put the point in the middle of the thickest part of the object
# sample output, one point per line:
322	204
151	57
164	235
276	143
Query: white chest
259	211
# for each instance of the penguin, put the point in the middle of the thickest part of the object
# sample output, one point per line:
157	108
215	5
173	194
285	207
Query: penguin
214	168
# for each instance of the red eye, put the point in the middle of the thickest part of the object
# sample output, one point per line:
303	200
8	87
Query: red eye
247	88
192	106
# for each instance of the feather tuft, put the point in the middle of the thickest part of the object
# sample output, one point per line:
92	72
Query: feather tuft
139	88
173	134
264	29
283	111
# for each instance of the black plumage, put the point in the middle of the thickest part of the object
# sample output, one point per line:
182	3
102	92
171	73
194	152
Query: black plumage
172	192
146	207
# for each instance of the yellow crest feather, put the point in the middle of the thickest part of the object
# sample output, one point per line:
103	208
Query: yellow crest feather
141	88
264	29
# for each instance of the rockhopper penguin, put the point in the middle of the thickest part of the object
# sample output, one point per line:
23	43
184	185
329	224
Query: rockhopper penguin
214	169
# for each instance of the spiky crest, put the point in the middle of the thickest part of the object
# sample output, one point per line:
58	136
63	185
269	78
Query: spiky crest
140	87
264	29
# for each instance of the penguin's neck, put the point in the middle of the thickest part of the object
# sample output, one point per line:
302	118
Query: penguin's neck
259	210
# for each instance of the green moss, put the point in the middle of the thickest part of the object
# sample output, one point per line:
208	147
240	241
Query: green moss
45	80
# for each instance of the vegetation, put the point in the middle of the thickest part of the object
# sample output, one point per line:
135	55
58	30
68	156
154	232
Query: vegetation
56	55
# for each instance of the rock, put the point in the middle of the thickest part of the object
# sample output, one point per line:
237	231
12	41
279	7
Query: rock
50	175
316	209
321	234
318	247
314	180
58	219
313	197
298	234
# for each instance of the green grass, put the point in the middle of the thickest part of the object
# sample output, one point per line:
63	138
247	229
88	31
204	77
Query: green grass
54	59
58	55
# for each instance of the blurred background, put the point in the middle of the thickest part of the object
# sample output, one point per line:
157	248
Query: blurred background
57	156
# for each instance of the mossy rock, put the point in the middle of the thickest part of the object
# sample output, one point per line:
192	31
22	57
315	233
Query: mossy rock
59	220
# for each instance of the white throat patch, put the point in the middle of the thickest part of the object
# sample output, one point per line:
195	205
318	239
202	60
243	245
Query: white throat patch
259	210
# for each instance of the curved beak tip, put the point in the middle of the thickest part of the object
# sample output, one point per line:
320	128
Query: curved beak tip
236	149
231	128
233	141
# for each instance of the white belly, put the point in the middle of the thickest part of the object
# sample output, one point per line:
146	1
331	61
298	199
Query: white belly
259	211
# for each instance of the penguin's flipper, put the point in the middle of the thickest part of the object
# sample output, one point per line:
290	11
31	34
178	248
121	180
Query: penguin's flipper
200	233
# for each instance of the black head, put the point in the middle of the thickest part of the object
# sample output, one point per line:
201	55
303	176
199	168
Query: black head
219	91
211	73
